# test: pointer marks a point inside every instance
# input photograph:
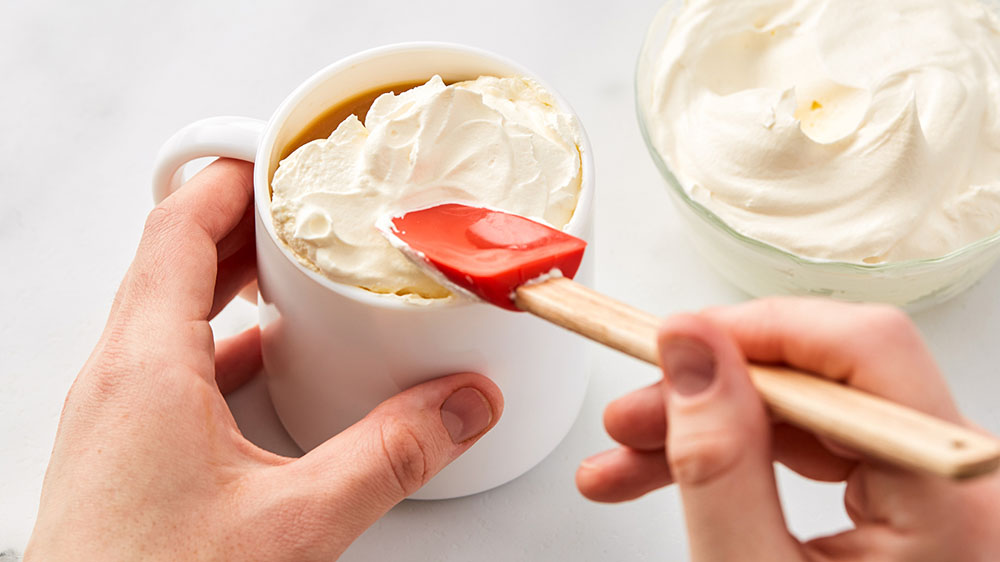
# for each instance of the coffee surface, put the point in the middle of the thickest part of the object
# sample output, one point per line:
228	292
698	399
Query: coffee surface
322	126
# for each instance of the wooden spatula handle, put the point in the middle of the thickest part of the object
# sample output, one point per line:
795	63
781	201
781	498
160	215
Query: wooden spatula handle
874	426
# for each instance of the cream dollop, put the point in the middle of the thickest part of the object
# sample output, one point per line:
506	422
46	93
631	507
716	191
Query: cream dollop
851	130
499	142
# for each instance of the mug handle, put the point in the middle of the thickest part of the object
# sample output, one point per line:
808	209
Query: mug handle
228	137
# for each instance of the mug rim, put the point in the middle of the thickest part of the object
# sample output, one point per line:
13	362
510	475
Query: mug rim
576	226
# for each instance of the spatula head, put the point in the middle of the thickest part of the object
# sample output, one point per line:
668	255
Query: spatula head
485	252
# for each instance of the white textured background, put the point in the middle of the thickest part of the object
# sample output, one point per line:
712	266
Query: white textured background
89	90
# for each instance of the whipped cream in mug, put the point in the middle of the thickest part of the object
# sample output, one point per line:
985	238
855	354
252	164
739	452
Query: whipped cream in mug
498	142
851	130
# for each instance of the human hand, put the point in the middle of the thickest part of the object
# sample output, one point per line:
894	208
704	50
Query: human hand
148	462
705	428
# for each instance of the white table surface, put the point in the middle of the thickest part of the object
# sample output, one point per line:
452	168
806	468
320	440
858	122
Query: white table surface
91	89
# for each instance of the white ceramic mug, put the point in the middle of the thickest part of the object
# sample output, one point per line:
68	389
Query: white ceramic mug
332	352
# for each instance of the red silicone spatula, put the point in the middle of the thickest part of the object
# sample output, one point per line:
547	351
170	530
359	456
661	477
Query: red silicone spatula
519	264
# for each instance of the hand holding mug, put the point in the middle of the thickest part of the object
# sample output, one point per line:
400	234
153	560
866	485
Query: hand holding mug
148	462
333	350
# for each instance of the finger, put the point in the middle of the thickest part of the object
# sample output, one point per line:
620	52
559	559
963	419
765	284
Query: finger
638	419
718	446
240	236
249	293
355	477
622	474
872	347
237	359
216	199
173	275
871	542
235	272
804	453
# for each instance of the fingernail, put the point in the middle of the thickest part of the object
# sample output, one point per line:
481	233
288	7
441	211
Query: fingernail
466	414
688	364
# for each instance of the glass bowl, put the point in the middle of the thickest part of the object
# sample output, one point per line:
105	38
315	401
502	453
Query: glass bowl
762	269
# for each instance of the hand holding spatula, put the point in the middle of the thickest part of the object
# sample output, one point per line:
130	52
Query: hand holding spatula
519	264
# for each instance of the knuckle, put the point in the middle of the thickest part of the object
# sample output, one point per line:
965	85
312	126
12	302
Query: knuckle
103	377
701	457
772	306
771	303
161	233
406	457
888	317
162	219
888	324
161	245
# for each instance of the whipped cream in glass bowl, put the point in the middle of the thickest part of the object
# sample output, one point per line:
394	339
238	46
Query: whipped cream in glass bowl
843	148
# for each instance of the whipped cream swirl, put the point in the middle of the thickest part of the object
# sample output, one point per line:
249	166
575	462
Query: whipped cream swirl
850	130
498	142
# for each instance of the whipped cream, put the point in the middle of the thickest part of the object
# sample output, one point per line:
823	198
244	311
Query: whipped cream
850	130
497	142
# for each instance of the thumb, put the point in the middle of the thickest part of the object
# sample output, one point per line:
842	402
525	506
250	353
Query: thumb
356	476
718	446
